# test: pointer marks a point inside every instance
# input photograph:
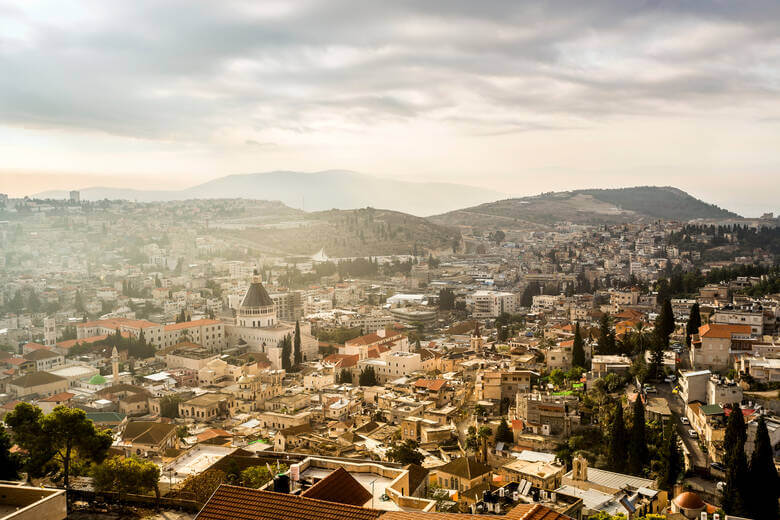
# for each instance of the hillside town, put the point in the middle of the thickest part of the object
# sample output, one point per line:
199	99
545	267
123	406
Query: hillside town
153	358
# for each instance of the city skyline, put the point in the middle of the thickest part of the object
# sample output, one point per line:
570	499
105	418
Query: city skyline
502	96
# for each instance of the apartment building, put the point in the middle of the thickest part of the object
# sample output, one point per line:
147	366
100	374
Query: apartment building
495	385
711	348
755	320
547	414
491	304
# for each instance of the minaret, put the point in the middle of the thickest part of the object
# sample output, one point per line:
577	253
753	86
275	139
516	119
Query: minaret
49	332
115	366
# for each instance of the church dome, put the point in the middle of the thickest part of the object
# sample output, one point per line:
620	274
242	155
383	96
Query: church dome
689	500
256	296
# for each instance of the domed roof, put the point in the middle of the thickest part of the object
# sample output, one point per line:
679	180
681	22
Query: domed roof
97	379
257	296
689	500
244	379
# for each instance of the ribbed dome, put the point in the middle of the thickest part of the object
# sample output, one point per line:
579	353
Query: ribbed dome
689	500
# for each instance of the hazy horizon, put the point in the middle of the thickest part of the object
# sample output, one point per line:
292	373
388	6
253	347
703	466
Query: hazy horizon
511	97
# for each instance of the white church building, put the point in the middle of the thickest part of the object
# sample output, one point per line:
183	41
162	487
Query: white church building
256	325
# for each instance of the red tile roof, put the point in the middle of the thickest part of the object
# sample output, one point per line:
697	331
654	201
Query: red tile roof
190	324
716	330
35	346
342	360
56	398
115	323
239	503
340	487
431	384
519	512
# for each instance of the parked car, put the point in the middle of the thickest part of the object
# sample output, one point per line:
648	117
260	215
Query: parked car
670	379
692	434
685	420
651	389
718	466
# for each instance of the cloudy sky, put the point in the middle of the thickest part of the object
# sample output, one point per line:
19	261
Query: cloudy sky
521	97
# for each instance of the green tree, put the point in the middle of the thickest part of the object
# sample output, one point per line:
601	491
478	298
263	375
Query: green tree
606	336
256	476
10	463
79	303
694	322
578	350
286	351
297	344
736	494
557	377
672	463
483	434
169	406
735	435
637	442
406	452
25	423
504	432
664	324
126	475
345	377
764	481
617	454
62	433
367	377
202	485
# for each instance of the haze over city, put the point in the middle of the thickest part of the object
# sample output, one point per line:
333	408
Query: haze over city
389	260
502	95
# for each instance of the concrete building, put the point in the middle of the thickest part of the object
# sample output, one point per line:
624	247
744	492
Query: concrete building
547	414
32	503
42	384
693	386
210	334
754	320
711	347
491	304
495	385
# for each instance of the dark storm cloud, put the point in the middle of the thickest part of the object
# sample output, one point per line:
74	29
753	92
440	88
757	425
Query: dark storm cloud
177	70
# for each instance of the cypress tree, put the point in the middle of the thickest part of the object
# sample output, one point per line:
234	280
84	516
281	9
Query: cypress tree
578	351
694	322
735	494
504	433
606	336
617	441
664	324
637	445
297	344
735	434
286	348
764	481
671	459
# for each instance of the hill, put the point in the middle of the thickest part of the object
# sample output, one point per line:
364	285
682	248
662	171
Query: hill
350	233
592	206
317	191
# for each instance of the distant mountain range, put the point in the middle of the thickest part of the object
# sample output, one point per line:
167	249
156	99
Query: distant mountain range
594	206
317	191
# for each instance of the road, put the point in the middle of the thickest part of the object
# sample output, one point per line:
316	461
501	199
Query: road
697	456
